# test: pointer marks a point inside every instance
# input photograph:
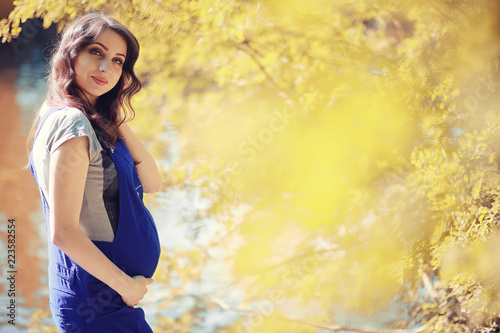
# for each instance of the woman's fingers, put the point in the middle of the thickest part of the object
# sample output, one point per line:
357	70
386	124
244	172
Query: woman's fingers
128	301
143	280
139	293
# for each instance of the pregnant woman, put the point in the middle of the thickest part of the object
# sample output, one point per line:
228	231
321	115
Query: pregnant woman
92	171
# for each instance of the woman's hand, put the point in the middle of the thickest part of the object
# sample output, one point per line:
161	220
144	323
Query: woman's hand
144	162
136	290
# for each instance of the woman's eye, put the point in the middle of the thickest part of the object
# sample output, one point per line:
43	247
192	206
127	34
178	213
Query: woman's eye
95	51
118	61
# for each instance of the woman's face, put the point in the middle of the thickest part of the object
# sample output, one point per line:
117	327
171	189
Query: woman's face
99	65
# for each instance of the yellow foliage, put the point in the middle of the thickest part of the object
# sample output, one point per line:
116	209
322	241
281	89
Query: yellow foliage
365	126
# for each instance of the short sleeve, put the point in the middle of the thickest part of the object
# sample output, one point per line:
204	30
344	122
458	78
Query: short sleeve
70	123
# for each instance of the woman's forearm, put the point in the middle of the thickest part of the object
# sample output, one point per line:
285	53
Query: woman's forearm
145	164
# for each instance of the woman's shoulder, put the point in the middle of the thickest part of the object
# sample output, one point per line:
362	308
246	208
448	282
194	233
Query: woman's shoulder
64	114
63	123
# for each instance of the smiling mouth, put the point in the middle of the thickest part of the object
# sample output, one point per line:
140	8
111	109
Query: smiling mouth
100	81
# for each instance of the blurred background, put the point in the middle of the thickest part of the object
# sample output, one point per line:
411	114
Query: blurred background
327	165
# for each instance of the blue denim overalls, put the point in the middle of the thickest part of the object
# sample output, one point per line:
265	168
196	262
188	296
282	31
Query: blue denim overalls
79	302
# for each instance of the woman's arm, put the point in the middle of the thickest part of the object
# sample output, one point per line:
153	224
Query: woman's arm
144	162
68	173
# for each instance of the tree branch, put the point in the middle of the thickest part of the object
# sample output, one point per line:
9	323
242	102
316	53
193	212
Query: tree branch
262	68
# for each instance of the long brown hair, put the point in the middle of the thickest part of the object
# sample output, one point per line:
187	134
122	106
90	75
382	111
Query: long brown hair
110	109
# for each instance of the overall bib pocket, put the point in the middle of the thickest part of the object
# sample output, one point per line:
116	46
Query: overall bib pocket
62	278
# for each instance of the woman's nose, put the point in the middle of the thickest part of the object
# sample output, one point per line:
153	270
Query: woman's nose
104	65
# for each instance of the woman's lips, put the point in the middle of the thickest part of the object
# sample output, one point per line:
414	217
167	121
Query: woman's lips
99	80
